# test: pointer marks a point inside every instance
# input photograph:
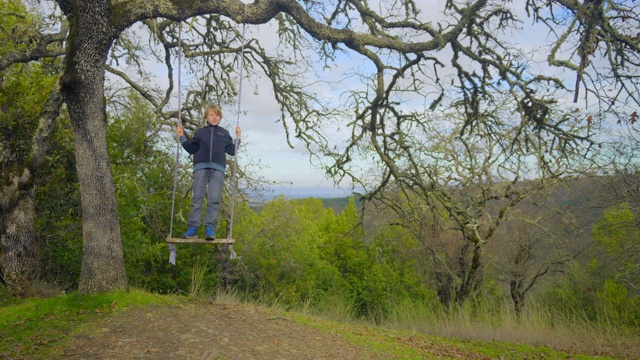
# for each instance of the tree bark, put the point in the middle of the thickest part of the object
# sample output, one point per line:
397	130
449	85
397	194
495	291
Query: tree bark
18	250
517	293
91	36
444	287
18	246
516	284
468	271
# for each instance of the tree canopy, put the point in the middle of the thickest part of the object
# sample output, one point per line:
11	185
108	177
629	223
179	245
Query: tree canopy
462	61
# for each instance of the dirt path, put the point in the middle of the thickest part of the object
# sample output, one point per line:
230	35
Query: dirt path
212	331
215	331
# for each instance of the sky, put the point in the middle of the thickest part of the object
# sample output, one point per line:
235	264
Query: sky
264	142
264	139
264	150
289	171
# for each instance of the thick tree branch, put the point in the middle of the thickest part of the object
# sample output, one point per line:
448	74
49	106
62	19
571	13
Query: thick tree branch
41	46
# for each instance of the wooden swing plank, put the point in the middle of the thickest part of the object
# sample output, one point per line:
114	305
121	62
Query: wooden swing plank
199	241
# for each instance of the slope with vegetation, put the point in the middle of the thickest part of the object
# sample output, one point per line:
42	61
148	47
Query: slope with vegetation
495	215
142	325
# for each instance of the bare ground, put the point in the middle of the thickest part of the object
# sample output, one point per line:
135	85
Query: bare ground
216	331
221	331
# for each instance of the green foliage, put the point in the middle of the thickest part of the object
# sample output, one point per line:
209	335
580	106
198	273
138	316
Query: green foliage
615	265
17	27
617	304
367	268
22	103
605	288
281	252
396	249
615	228
23	87
299	252
338	204
142	168
58	211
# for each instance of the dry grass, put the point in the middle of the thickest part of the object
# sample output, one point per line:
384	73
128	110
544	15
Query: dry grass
534	327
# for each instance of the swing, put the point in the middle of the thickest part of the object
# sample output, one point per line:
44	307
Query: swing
171	241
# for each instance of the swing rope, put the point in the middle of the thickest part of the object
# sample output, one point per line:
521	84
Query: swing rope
172	247
234	178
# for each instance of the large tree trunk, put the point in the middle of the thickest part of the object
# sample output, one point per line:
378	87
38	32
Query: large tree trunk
18	245
18	251
91	37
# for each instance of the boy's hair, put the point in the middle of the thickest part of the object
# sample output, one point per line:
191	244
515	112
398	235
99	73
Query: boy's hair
213	108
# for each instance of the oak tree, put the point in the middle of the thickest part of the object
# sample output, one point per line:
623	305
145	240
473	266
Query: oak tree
403	48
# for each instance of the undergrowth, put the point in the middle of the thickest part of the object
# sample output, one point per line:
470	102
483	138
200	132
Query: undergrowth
484	321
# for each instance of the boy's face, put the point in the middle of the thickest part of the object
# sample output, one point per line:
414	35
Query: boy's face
213	118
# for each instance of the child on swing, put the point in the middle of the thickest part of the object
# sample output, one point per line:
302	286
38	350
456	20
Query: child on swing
208	146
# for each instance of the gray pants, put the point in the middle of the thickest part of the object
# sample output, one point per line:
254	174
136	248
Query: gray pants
211	181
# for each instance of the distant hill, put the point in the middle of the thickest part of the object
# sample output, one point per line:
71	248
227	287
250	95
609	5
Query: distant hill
337	204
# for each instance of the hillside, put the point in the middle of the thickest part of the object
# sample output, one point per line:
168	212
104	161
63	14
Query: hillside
337	204
234	331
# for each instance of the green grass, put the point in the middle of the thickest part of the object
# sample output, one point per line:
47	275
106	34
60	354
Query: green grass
36	328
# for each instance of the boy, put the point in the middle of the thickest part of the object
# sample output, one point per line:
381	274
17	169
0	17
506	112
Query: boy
208	146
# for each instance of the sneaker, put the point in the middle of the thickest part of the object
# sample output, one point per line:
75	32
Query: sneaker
191	232
209	234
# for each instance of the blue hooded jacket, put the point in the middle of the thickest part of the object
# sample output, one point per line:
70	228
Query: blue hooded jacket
209	146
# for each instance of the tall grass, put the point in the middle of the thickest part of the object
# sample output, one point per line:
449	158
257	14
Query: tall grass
223	296
495	321
197	277
489	317
333	306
